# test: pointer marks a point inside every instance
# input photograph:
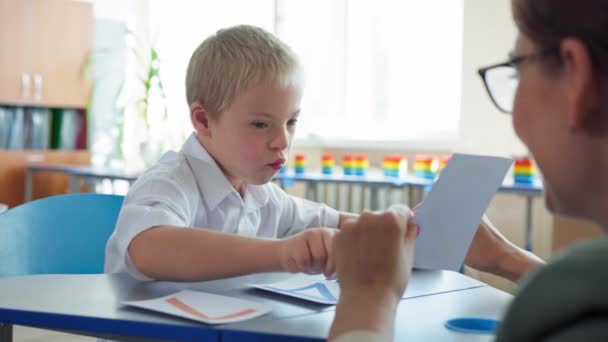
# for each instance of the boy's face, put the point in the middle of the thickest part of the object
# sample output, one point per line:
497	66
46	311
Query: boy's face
251	139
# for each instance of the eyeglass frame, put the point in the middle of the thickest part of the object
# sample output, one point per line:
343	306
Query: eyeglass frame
513	62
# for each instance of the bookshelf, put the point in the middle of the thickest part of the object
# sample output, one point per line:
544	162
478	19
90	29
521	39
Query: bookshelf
43	91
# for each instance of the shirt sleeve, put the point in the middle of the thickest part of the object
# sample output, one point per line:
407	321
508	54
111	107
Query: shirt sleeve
298	214
154	201
358	336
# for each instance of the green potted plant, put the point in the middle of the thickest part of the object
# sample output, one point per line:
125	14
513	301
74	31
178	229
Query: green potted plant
141	107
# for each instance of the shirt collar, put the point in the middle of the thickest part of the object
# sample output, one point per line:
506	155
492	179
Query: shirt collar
212	182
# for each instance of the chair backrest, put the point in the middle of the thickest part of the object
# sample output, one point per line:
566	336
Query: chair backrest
64	234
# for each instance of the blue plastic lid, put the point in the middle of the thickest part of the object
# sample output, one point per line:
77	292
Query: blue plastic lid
473	325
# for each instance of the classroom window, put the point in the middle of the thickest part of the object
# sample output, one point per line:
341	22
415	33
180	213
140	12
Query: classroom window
375	70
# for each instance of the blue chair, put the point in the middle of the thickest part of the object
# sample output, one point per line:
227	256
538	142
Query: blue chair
64	234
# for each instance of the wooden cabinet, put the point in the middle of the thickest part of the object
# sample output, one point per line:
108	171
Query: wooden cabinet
45	46
13	45
12	173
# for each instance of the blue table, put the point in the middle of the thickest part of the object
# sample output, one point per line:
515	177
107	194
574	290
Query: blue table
90	305
529	191
75	174
374	181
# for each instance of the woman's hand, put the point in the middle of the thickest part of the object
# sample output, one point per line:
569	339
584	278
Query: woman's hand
374	258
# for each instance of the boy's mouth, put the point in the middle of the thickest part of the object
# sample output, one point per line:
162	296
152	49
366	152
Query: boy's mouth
277	164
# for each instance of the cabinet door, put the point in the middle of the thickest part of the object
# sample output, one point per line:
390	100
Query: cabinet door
45	44
15	80
63	31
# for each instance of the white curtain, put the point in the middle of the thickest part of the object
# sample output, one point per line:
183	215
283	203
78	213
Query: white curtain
376	70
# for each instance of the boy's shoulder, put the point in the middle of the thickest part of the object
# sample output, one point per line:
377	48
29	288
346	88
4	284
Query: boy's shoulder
171	167
170	163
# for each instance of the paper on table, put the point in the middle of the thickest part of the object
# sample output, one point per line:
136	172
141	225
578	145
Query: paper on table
315	288
311	288
204	307
452	210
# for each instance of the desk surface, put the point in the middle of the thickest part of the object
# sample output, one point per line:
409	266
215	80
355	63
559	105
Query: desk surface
377	179
84	171
423	318
90	304
535	188
373	178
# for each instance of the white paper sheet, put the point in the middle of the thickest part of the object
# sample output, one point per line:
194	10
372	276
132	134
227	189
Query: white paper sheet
311	288
316	289
452	210
204	307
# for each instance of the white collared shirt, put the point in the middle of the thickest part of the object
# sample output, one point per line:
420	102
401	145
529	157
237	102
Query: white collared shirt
188	189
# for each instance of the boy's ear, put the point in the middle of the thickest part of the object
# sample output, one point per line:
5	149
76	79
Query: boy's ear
200	118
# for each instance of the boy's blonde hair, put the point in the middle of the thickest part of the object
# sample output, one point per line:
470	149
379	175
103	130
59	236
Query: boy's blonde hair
234	58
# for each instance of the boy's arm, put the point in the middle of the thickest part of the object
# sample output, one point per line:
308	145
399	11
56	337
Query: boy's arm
183	254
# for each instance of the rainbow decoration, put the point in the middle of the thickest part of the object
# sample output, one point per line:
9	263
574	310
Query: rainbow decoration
300	166
361	165
523	171
443	162
394	166
348	165
426	166
327	164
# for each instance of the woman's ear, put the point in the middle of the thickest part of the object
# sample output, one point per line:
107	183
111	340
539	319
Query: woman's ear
585	101
200	118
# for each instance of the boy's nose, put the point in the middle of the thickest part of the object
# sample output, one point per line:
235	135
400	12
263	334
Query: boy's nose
281	141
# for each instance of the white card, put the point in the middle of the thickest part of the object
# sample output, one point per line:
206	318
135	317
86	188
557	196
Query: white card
315	288
452	210
204	307
311	288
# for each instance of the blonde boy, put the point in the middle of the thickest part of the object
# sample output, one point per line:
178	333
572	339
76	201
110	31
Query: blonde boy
210	210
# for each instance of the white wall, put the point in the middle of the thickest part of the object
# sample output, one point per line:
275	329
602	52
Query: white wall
489	34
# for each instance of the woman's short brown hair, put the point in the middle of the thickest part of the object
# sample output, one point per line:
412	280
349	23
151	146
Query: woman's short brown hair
548	22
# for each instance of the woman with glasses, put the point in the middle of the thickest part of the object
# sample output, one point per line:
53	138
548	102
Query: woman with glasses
555	83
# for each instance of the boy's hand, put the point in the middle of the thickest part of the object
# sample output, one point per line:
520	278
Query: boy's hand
310	251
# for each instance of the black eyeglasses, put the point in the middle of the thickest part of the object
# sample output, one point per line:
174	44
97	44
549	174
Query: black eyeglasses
501	80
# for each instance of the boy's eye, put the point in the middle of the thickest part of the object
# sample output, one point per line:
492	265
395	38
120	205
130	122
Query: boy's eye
258	124
292	122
